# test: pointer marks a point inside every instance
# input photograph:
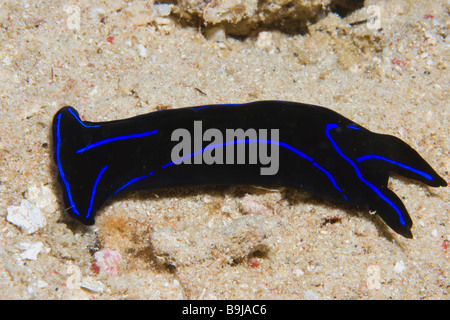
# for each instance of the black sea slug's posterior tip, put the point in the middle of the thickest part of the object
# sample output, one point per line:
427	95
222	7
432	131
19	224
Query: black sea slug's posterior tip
406	233
89	222
442	182
437	180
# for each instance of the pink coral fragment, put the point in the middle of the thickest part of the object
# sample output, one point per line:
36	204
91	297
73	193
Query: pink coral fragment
107	260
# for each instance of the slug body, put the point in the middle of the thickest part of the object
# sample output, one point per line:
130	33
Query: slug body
270	143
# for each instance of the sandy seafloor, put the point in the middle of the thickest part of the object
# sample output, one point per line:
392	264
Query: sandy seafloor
127	58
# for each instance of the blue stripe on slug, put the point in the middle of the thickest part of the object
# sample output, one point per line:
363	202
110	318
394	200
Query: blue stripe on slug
130	136
59	165
282	144
94	189
81	122
401	165
358	173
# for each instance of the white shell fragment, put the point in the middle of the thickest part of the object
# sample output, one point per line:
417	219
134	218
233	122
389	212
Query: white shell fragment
162	10
27	217
43	197
31	250
399	267
93	285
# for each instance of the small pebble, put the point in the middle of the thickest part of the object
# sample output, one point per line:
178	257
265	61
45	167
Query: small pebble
31	250
264	40
162	9
226	209
299	272
43	197
92	285
309	295
27	217
399	266
252	205
142	50
97	13
107	260
216	34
